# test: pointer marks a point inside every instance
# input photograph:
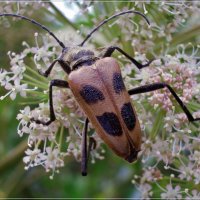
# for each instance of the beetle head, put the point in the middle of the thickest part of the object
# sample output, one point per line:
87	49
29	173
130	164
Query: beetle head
76	56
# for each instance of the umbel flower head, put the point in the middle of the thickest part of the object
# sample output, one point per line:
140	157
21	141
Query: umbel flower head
46	142
170	142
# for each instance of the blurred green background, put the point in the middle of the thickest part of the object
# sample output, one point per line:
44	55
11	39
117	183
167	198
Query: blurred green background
109	178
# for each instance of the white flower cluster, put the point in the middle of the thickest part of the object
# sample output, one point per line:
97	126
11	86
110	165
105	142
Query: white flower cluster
169	137
170	142
48	145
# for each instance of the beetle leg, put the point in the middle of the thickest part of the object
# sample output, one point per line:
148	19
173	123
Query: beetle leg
65	67
84	156
48	71
92	145
57	83
84	150
157	86
108	52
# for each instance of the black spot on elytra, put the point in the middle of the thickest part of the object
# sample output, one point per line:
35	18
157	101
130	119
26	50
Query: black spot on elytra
128	116
118	82
91	94
110	123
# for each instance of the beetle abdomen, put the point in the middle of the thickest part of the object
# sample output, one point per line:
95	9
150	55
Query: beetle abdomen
99	89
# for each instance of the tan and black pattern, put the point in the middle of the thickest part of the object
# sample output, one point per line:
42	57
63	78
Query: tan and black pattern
118	83
91	94
110	123
101	93
128	116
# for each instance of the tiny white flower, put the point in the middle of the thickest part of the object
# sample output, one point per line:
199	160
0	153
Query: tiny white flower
172	193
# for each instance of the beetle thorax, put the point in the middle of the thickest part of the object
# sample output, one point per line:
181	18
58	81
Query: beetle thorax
77	57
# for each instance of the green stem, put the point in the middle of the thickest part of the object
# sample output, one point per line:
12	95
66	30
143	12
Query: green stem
31	102
13	156
186	184
34	83
36	74
194	105
184	36
35	80
179	38
13	180
158	123
61	137
173	179
38	144
36	92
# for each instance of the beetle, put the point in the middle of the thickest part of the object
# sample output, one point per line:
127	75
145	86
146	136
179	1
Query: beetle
98	87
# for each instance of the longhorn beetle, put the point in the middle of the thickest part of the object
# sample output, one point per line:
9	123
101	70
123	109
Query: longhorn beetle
97	85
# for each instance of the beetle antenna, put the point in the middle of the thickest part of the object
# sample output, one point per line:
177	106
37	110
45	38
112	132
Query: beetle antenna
110	18
36	23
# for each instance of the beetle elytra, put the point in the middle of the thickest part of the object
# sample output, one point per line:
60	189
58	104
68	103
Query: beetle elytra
98	87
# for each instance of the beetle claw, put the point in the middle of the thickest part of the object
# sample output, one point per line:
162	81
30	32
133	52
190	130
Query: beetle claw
42	73
40	122
150	61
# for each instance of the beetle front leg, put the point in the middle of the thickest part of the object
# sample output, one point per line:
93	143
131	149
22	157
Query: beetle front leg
65	67
57	83
108	52
48	71
84	155
157	86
